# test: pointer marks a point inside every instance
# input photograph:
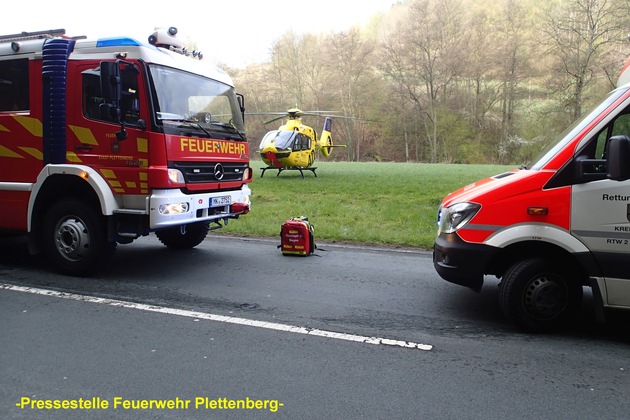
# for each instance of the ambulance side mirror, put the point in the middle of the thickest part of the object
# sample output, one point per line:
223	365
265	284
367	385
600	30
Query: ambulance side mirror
618	154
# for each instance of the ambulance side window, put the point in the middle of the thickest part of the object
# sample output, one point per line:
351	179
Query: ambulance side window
618	127
592	158
621	126
14	90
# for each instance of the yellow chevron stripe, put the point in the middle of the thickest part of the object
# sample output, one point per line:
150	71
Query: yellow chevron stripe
36	153
108	173
3	128
142	144
33	125
72	157
5	152
84	135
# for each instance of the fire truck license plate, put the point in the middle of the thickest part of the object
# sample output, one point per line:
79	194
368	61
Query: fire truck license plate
220	201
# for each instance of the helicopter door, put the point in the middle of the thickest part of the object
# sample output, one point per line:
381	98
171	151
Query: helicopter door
301	146
302	142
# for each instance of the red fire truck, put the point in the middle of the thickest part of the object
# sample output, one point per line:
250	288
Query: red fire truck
103	141
548	229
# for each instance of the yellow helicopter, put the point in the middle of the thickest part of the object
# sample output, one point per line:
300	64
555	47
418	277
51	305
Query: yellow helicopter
293	145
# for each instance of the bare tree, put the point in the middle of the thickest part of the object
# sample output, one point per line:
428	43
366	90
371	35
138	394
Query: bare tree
349	56
514	64
579	33
425	56
289	68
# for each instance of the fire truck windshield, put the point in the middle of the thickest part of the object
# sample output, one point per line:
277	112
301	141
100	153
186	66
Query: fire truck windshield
186	101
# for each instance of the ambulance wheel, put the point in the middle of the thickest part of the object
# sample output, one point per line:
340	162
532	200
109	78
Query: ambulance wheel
538	296
75	237
185	236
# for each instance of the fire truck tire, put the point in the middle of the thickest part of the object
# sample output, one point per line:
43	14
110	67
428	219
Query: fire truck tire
539	296
185	236
75	237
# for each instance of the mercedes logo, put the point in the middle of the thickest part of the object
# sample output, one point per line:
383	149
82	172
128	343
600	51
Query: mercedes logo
218	171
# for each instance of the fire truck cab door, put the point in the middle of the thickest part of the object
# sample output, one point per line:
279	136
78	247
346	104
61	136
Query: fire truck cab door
93	131
600	213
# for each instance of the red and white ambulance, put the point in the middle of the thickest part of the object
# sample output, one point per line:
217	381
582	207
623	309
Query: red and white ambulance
548	229
106	140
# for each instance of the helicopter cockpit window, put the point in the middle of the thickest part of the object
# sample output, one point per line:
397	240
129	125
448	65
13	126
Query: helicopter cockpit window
281	139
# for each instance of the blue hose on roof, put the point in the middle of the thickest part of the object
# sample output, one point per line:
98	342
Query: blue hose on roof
54	77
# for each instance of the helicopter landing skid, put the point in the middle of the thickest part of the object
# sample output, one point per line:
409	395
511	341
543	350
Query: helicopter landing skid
294	168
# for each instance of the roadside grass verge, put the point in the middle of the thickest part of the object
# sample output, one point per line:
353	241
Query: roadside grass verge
386	204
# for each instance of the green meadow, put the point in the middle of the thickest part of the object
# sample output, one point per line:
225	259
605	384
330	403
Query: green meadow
369	203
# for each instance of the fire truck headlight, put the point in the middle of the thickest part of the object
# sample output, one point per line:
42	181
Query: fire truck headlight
453	218
173	208
175	175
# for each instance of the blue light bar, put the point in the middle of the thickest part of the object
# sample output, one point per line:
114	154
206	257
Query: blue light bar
117	42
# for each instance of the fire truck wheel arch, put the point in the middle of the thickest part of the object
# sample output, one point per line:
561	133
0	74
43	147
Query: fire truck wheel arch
100	187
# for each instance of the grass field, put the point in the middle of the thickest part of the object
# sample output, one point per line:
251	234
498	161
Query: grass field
387	204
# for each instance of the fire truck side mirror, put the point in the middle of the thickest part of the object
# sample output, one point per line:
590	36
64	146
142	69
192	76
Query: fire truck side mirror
110	82
241	104
618	154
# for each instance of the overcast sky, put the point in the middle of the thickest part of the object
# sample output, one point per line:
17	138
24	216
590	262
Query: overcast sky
234	32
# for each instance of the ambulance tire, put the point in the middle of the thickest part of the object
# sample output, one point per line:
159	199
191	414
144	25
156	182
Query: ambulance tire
539	296
184	237
75	237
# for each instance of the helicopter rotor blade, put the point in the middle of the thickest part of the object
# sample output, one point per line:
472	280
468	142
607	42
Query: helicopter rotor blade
274	119
294	113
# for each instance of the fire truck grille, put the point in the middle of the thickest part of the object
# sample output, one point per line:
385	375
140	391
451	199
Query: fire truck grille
200	172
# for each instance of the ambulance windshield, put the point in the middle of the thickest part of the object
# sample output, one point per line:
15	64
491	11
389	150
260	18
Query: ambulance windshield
573	130
186	101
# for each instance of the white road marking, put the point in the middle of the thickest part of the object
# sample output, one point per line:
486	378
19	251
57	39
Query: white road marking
220	318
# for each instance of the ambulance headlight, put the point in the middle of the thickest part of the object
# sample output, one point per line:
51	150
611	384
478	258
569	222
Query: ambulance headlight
456	216
173	208
175	175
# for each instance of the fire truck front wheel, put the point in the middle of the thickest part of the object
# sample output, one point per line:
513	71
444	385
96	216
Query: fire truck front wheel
540	296
75	237
185	236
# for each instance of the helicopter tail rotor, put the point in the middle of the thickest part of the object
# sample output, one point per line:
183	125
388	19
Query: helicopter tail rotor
325	140
325	143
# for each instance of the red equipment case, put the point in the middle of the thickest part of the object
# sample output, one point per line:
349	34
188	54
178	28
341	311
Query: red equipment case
296	236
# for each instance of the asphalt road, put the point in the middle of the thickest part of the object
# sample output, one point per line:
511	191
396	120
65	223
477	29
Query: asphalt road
232	329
